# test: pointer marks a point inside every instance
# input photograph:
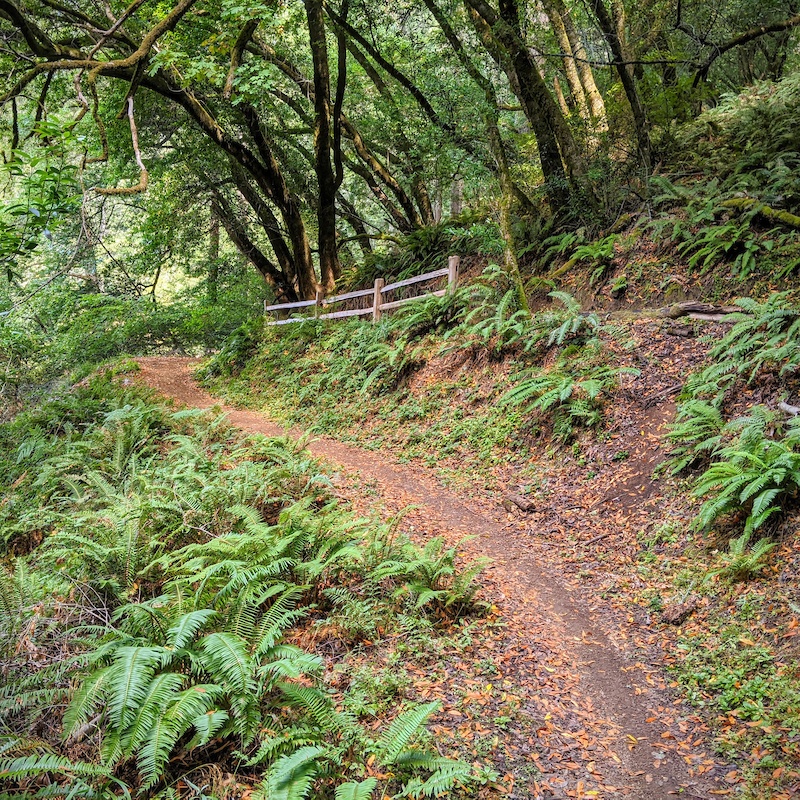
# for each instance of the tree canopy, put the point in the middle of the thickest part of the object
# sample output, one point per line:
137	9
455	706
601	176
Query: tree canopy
310	131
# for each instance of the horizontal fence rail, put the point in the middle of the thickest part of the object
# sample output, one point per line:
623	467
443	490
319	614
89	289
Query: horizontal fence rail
378	304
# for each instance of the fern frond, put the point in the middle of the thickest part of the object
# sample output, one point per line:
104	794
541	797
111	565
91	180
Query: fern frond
131	674
356	791
228	661
162	690
291	776
319	706
187	626
87	700
402	730
207	726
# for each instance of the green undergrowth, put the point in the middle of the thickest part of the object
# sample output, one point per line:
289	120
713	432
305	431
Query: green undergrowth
188	612
468	376
53	330
719	220
735	657
745	443
734	205
736	444
484	383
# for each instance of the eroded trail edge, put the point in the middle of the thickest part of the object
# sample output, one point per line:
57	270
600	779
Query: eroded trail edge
599	705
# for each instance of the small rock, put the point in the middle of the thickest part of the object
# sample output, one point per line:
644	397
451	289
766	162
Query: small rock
678	613
523	503
677	329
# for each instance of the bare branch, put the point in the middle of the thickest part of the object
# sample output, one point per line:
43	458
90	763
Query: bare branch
116	26
143	176
744	38
38	41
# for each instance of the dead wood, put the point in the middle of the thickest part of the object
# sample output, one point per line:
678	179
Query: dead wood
692	308
678	613
670	390
523	503
770	214
684	331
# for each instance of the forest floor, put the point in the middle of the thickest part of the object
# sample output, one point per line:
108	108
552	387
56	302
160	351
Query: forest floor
573	675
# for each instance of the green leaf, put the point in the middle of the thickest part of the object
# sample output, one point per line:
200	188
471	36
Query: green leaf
227	660
356	791
402	731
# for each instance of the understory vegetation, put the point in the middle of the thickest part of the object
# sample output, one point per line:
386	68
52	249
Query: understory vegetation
173	589
318	374
188	612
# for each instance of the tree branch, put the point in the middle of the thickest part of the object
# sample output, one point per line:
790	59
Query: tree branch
744	38
405	82
236	55
143	176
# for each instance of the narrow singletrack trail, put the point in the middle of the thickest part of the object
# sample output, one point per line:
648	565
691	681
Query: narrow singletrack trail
609	722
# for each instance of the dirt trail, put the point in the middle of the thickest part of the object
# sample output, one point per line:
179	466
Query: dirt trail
619	731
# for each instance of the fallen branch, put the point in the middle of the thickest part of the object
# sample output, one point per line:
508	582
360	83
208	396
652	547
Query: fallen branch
696	310
650	401
690	308
598	538
771	214
793	410
523	503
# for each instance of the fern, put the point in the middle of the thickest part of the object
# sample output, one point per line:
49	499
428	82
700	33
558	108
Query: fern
573	323
755	474
356	791
175	721
572	396
160	542
161	689
401	731
496	321
446	775
187	627
228	660
130	677
291	776
696	433
319	706
739	563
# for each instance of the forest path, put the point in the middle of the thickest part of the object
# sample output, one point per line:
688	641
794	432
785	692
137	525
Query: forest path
601	722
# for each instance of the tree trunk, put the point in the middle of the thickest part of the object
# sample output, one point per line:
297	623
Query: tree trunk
326	208
350	214
610	32
457	196
245	245
568	60
273	182
562	163
414	165
269	222
496	146
597	107
562	100
213	255
396	215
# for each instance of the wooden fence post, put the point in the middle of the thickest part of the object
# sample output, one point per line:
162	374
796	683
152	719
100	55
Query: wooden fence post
318	298
376	303
452	273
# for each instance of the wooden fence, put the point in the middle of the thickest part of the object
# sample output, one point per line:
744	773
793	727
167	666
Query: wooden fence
376	307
